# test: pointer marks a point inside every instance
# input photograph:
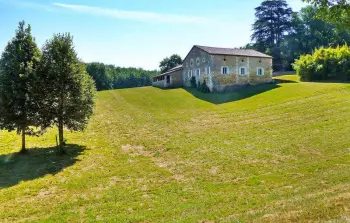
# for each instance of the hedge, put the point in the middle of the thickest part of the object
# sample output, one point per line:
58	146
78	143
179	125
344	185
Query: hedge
325	63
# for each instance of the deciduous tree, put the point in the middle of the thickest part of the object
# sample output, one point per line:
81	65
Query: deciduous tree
333	11
309	33
69	91
18	62
168	63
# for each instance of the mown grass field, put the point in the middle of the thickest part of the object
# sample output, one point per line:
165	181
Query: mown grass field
270	153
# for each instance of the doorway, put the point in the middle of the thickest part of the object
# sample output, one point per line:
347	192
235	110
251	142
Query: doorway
168	79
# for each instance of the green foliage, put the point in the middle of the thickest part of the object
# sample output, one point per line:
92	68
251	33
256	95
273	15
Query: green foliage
18	62
325	63
203	87
310	33
193	82
306	32
333	11
69	91
101	74
273	20
167	63
109	77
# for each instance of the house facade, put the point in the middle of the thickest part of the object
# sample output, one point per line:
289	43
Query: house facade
224	69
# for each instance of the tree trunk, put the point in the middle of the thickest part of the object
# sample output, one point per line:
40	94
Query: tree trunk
23	140
60	136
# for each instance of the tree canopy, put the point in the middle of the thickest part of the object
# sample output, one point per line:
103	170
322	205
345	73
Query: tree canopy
69	91
170	62
109	77
18	62
333	11
309	33
273	20
303	32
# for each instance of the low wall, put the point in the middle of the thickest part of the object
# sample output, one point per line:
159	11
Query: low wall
160	84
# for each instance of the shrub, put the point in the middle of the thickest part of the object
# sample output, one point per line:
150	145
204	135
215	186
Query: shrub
193	82
325	63
203	87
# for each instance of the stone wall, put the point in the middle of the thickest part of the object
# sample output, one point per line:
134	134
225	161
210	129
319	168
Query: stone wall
196	55
160	84
176	79
217	81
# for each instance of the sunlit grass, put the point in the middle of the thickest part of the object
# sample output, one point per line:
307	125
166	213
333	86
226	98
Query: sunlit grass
266	154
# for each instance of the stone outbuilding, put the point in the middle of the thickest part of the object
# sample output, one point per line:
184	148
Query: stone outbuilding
223	69
170	79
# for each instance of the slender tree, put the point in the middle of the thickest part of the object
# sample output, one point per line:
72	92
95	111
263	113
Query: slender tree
168	63
69	91
18	62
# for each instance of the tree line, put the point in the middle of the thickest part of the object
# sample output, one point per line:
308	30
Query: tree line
109	77
286	35
43	88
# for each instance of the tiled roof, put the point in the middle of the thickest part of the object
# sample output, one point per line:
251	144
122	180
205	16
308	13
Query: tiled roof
176	68
179	67
232	52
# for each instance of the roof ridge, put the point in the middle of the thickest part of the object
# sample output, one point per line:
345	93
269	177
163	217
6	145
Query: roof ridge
232	51
235	48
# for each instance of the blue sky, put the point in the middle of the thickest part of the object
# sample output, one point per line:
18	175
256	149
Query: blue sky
137	33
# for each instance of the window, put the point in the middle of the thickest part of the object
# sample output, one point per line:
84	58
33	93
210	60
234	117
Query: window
242	71
203	60
191	63
186	64
207	71
190	73
198	72
224	70
260	72
198	61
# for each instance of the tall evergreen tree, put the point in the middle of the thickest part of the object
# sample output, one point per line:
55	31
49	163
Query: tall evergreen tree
69	91
18	107
273	21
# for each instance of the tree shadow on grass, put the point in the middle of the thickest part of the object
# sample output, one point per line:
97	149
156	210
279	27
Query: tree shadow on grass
239	94
35	163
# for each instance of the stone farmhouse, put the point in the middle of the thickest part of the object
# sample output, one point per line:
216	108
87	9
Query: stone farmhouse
223	69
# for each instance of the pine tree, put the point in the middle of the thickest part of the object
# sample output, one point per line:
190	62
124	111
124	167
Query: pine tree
18	62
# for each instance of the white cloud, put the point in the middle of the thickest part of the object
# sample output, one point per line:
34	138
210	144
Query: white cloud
133	15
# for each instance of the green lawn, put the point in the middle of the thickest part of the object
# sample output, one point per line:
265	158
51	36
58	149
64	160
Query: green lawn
277	152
